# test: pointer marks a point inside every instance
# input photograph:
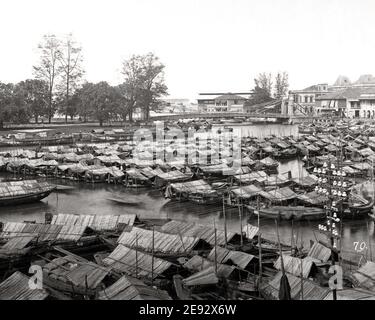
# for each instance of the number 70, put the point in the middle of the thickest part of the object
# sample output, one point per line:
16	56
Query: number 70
362	246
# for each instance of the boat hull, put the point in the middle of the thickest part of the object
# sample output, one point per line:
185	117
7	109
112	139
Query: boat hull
8	201
292	213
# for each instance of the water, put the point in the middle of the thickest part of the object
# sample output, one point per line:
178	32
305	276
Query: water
93	199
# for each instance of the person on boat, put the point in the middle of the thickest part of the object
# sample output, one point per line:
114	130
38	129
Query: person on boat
48	217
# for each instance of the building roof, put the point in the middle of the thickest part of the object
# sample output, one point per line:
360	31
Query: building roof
353	93
342	81
230	96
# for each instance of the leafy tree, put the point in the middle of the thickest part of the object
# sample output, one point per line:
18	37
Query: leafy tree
6	100
101	101
48	68
33	95
264	82
70	64
281	85
144	83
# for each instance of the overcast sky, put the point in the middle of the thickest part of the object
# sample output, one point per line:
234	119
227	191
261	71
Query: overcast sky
206	45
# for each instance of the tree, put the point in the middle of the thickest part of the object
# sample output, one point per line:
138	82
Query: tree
101	101
81	100
70	61
262	89
264	82
281	85
48	69
144	83
33	95
6	100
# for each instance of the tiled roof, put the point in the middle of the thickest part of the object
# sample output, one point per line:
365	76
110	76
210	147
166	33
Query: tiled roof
350	93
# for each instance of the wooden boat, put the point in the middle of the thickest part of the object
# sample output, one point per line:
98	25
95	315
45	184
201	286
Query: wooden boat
359	210
125	202
292	213
18	192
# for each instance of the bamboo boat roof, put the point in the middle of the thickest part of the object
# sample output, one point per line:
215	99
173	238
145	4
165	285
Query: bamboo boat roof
319	252
16	287
245	192
250	231
365	276
135	173
292	265
311	290
23	187
269	161
361	166
95	222
191	229
306	181
77	272
351	294
15	244
133	262
197	263
172	175
259	176
313	198
111	159
151	173
280	194
209	276
127	288
165	243
238	258
197	186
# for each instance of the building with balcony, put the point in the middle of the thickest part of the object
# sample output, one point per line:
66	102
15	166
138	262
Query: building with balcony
222	102
352	102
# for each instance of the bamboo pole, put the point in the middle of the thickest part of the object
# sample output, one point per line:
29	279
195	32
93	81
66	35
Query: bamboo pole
369	241
215	248
225	223
240	213
260	259
281	254
136	255
153	251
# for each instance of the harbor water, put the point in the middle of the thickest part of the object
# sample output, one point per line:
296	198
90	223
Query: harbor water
151	204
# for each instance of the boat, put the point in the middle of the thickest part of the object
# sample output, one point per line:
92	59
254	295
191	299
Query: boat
25	191
125	202
291	213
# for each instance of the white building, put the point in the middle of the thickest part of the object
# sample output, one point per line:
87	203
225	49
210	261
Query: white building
219	102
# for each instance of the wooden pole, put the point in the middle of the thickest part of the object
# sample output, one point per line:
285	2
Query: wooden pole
240	213
136	255
301	278
225	223
260	259
215	248
369	241
291	239
153	251
281	254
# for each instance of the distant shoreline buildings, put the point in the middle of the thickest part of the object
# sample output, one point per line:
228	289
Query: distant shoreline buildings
343	98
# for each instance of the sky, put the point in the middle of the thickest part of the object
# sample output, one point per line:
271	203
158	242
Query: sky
206	45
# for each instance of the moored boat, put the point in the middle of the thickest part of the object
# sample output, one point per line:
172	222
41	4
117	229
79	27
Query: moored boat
291	213
25	191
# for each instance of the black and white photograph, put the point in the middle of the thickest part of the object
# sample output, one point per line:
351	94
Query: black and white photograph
196	156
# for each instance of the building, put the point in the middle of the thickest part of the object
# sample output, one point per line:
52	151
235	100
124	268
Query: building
222	102
353	102
302	102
